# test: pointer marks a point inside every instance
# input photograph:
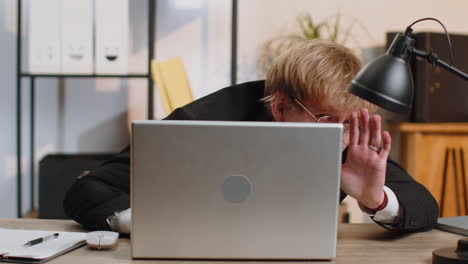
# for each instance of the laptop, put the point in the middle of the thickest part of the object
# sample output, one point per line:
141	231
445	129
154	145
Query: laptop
235	190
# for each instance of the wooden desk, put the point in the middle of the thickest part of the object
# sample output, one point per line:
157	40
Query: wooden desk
435	155
357	243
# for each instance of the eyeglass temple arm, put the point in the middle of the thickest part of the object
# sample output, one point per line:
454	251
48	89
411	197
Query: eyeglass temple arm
305	108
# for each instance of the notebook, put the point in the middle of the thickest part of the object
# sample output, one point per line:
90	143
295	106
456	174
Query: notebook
12	247
457	224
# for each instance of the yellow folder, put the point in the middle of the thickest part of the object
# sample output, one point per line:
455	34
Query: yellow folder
172	83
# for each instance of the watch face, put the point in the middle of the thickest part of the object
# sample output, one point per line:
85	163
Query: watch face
112	222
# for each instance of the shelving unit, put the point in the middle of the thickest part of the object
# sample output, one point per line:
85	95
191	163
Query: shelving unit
32	77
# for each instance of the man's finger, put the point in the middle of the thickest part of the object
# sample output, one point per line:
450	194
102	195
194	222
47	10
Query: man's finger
353	129
375	138
387	144
364	126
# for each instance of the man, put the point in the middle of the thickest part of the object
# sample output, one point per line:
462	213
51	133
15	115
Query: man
307	83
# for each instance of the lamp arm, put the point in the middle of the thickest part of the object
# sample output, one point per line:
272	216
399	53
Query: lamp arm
432	58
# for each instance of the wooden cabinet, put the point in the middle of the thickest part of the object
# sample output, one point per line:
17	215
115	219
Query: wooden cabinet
436	155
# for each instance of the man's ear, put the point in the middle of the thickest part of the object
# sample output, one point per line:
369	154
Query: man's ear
278	106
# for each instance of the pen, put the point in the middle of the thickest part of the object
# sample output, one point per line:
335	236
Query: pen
40	240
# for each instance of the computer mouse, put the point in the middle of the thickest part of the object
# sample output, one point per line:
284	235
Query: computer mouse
102	239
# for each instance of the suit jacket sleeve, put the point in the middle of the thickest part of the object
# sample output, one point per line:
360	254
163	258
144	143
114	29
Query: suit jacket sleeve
419	208
106	189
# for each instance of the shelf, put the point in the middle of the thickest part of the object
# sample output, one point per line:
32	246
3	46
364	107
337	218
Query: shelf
433	127
85	75
33	78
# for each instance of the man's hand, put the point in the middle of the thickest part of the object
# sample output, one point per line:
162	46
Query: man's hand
363	174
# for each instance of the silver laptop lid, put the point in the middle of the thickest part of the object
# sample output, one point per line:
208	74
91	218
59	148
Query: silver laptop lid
234	190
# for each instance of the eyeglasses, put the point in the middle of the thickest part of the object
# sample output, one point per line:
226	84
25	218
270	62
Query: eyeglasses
324	118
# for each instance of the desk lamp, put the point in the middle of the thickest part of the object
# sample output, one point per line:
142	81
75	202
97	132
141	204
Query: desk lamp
387	81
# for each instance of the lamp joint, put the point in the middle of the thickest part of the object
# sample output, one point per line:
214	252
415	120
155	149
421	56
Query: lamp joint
432	57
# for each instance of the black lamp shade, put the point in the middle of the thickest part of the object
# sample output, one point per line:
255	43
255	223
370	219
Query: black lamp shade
386	81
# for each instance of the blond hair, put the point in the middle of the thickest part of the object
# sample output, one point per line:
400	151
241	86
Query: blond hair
317	70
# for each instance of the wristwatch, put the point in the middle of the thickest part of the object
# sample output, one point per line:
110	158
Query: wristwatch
113	221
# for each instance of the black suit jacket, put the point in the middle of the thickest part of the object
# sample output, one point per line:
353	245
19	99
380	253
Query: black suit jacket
92	198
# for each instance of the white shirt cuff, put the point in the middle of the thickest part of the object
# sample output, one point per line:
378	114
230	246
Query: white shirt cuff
392	212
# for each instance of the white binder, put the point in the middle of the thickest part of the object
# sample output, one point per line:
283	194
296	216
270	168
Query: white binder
77	36
44	36
112	30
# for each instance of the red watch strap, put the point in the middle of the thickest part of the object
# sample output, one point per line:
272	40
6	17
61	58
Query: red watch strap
383	204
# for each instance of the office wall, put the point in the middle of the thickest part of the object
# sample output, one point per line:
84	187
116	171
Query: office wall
261	20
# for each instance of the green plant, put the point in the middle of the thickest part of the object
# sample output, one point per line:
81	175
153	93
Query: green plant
330	29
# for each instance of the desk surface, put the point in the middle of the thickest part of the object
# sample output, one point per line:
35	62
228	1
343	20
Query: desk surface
357	243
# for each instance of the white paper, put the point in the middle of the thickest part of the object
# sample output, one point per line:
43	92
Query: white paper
77	36
112	30
12	243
